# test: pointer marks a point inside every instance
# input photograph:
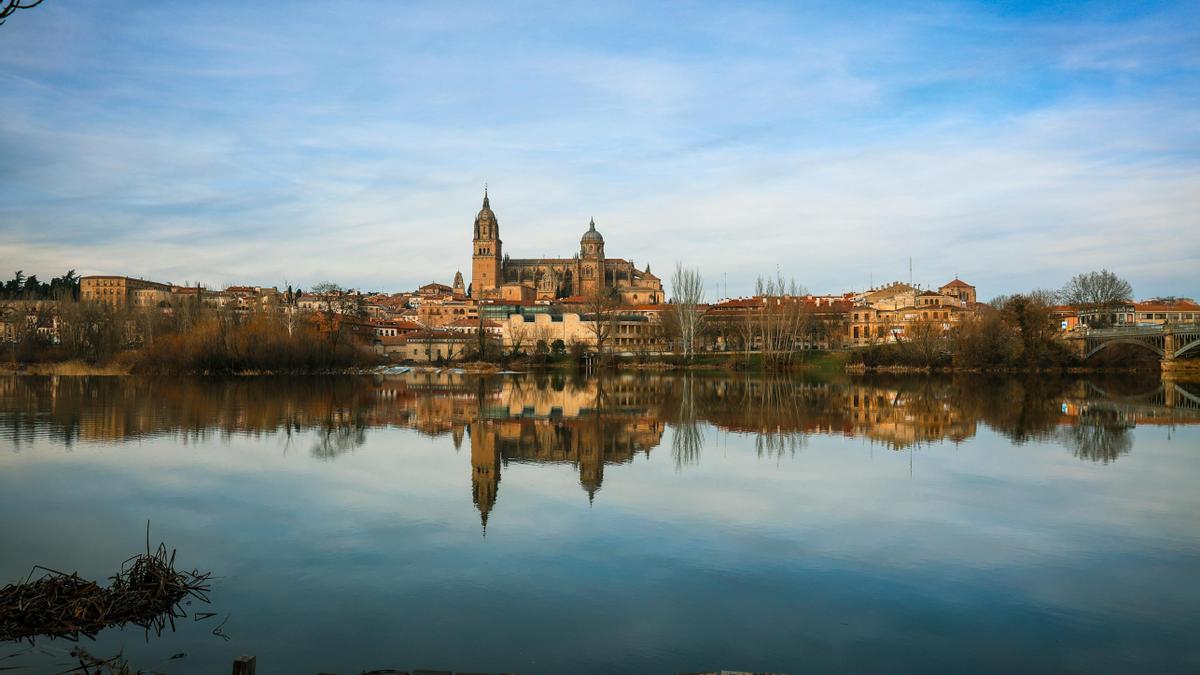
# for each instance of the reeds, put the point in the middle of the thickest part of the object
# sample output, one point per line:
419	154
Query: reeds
147	592
222	343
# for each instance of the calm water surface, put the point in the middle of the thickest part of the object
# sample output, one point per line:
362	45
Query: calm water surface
632	524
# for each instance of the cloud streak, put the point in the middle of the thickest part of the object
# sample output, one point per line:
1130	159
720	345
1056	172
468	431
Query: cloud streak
301	141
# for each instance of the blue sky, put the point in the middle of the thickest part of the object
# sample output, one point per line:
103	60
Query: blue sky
1013	144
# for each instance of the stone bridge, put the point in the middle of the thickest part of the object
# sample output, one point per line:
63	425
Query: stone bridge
1168	341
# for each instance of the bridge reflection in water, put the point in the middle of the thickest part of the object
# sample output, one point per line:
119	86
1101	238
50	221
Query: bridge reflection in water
593	423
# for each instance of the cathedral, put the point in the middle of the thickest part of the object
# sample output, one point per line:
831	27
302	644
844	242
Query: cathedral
495	275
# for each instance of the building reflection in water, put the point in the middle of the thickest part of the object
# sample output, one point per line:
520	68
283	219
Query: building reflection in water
591	423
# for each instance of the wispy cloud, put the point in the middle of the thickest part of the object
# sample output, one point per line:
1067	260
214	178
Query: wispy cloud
305	141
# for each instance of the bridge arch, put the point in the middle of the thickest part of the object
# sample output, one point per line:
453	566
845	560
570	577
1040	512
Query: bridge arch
1141	397
1187	395
1092	351
1187	347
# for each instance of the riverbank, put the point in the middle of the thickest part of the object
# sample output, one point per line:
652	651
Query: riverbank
66	368
952	370
813	362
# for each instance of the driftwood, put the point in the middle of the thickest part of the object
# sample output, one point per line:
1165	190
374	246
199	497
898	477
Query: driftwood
147	592
91	665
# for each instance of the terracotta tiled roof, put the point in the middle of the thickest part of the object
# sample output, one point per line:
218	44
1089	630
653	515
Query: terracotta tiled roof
738	303
434	334
474	323
401	324
1179	306
520	303
958	283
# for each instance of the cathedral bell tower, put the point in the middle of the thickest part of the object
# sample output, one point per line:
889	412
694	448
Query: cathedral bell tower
485	256
485	469
591	249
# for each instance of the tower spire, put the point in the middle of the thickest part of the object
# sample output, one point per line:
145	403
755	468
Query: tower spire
485	196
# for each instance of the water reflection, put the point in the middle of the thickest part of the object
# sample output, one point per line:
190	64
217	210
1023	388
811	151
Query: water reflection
592	422
337	512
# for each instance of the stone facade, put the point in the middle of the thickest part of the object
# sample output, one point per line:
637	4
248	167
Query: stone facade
628	332
886	314
122	291
495	275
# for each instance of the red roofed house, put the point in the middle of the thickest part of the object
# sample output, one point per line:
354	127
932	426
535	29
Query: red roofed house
427	346
961	290
1160	311
470	326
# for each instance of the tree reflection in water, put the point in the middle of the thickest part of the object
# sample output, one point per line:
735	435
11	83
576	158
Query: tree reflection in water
339	434
687	439
590	422
1099	436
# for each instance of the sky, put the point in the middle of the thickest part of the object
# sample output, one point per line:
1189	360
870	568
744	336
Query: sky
273	143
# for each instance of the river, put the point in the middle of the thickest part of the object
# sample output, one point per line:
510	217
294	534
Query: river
634	523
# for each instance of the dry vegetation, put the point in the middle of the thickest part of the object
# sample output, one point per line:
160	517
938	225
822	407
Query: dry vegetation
178	338
258	343
147	592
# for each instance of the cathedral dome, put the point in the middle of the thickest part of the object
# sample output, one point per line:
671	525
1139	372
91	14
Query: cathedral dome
486	224
486	212
592	234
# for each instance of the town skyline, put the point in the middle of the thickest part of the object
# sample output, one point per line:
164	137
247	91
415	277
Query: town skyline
1014	147
717	288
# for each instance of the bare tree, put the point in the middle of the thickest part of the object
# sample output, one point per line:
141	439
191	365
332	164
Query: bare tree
12	327
1101	291
687	296
601	308
7	7
92	331
925	341
519	334
779	323
335	306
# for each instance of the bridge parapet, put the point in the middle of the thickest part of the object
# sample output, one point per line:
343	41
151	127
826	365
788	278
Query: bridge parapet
1138	330
1126	330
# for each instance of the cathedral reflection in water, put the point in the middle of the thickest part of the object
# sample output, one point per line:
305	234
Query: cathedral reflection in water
590	423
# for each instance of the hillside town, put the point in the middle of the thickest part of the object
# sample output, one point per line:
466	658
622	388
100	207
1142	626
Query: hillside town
585	303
